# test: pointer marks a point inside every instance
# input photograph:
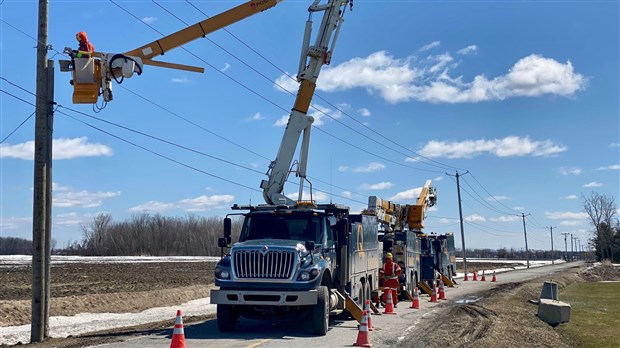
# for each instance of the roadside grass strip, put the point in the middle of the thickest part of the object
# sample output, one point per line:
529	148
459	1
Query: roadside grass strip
595	313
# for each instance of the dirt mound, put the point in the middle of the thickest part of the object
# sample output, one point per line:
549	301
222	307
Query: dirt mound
601	272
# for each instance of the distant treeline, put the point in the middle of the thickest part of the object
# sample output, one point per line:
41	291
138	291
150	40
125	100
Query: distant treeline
15	246
153	235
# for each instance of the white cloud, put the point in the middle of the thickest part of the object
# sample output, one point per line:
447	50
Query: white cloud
614	145
65	197
62	148
506	147
281	122
509	218
149	20
370	168
430	46
343	168
317	196
518	208
593	184
179	79
496	198
471	49
406	195
448	221
204	202
73	219
378	186
475	217
566	215
570	171
571	197
257	117
317	111
364	112
226	67
151	207
428	79
14	222
439	178
284	82
611	167
571	223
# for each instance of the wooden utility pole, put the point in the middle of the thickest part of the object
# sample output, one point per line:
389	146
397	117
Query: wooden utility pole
42	191
565	246
552	258
458	191
527	251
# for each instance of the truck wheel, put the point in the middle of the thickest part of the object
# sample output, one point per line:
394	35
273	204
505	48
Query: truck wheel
320	312
226	318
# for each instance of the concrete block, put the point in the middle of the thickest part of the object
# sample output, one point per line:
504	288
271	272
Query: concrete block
553	312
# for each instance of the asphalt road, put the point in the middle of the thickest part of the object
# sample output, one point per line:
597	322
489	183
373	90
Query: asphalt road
389	331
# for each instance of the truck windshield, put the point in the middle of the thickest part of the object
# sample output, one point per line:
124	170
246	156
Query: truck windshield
301	228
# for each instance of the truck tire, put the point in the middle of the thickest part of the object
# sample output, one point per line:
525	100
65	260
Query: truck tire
226	318
320	312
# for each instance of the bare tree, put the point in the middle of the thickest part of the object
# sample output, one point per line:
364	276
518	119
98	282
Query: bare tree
601	209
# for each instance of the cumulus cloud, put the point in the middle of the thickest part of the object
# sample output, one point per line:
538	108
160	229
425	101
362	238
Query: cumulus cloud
370	168
66	197
204	202
406	195
475	217
471	49
571	197
226	67
14	222
62	148
179	80
316	196
566	215
507	147
509	218
343	168
149	20
430	46
378	186
570	171
611	167
317	111
256	117
571	223
593	184
152	207
346	194
364	112
429	79
73	219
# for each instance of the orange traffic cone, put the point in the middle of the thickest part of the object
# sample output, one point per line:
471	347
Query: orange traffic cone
483	279
466	278
389	304
368	318
362	333
442	293
434	294
475	277
494	279
416	299
178	335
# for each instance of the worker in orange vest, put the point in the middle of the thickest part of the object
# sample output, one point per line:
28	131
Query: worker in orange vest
391	270
85	45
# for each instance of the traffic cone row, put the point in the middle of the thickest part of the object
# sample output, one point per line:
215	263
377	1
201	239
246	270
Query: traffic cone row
442	293
482	278
362	333
415	304
368	318
389	304
433	294
178	334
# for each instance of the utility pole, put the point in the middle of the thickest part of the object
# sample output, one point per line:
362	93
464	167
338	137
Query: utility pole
42	188
527	251
565	246
458	191
572	252
552	258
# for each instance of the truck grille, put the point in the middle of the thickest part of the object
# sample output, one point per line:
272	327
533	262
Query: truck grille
254	264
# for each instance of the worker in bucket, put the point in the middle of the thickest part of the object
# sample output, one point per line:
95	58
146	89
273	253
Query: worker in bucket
84	46
390	271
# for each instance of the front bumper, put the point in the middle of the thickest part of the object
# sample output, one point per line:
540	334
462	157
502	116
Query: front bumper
267	298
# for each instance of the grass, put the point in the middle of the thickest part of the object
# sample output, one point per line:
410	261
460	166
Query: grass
595	314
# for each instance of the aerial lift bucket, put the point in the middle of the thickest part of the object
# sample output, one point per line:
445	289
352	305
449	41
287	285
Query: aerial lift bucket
86	79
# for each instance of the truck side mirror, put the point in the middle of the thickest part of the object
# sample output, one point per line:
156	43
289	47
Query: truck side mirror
222	242
227	228
309	245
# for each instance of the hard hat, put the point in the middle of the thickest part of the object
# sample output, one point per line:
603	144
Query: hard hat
388	255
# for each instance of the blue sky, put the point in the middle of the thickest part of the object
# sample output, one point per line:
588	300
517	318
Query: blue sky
522	95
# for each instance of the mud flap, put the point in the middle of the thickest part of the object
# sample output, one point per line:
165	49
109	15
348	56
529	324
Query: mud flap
447	281
424	287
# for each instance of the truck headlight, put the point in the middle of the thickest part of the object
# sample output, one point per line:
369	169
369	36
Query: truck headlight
308	275
222	274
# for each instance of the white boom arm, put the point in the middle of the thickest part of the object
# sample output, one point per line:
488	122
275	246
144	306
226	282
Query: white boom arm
312	59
